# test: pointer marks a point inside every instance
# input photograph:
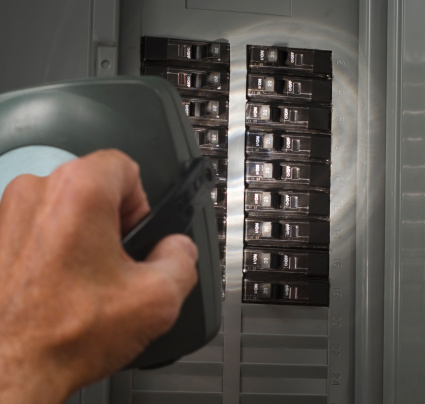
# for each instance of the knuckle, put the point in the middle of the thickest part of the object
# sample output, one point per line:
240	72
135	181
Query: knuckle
71	184
119	156
69	174
22	188
111	153
20	183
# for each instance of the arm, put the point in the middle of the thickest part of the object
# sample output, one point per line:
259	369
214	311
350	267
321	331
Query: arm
74	307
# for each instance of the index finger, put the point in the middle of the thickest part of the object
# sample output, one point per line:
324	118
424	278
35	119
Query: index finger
105	176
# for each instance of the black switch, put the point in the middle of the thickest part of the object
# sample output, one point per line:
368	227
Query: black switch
205	111
282	59
305	118
199	51
213	108
211	139
288	173
214	196
258	112
218	197
221	227
261	200
214	80
261	171
198	109
272	55
184	52
214	50
316	175
261	229
191	80
291	262
276	291
266	142
257	260
257	290
291	232
200	136
289	146
199	80
219	166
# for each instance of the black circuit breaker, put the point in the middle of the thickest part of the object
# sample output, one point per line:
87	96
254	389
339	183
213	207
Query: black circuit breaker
287	176
294	61
200	71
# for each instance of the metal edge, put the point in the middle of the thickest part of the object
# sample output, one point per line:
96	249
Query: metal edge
370	234
392	201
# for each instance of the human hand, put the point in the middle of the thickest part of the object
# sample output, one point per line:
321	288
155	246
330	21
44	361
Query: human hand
74	307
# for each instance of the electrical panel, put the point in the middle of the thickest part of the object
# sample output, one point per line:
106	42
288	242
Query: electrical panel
311	113
267	113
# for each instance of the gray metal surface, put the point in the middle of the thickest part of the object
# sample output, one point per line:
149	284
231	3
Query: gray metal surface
370	202
40	42
48	41
404	348
268	7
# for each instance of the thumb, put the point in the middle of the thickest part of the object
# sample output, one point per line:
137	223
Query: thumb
175	258
166	277
174	244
